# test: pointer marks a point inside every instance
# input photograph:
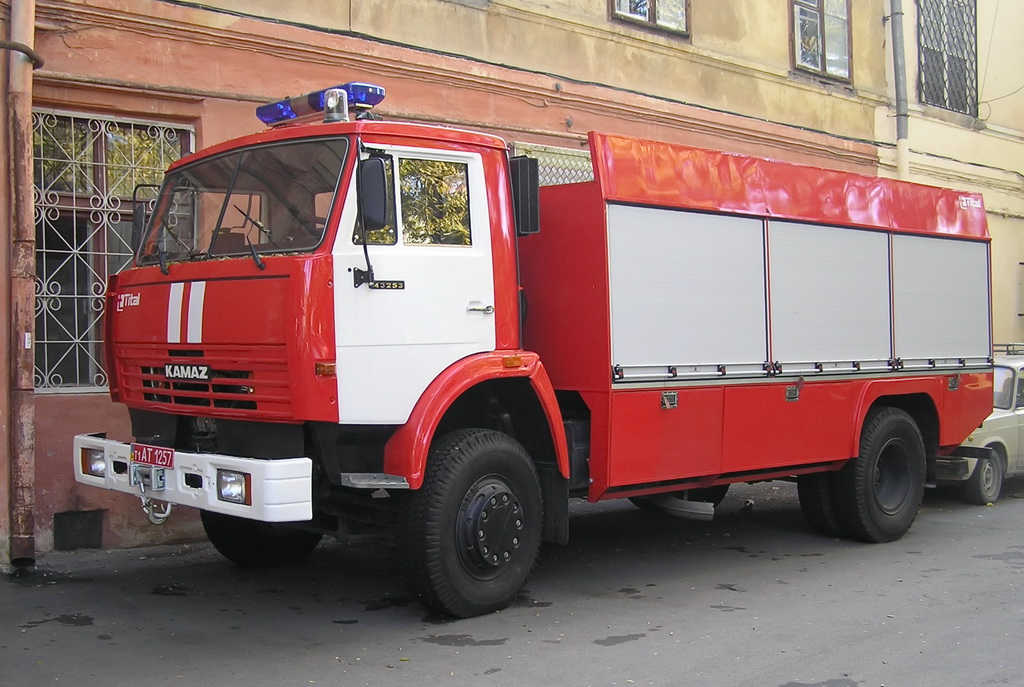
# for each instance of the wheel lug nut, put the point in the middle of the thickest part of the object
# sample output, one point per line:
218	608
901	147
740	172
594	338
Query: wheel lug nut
481	534
484	550
515	541
506	555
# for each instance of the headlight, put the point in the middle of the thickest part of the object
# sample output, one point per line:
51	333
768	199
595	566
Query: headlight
94	462
234	487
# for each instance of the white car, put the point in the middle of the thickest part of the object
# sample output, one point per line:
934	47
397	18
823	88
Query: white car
982	473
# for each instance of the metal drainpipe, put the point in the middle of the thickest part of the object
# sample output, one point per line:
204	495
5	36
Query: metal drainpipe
899	65
22	291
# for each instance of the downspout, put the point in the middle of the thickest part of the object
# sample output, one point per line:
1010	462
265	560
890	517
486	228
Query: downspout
22	291
899	66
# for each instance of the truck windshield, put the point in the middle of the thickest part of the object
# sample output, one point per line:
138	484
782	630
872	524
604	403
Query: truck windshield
269	198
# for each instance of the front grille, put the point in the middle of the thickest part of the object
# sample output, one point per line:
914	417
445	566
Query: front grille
205	394
242	381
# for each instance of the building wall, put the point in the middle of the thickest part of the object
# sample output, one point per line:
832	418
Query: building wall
542	72
983	154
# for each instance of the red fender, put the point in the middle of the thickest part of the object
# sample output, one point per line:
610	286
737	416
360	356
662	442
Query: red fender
960	409
406	452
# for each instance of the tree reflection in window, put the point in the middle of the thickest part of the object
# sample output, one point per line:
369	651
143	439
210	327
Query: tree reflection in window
435	202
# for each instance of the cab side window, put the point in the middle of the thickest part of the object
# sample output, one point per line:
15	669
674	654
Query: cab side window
435	202
1020	389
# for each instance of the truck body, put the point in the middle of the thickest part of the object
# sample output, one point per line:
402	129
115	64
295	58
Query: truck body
359	322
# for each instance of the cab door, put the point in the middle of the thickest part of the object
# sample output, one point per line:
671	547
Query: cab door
432	299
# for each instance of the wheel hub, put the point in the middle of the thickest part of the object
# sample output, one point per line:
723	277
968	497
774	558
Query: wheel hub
492	525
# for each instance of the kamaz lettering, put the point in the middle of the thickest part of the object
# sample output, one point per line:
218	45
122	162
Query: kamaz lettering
199	373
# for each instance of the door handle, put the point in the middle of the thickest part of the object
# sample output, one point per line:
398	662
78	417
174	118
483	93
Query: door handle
486	309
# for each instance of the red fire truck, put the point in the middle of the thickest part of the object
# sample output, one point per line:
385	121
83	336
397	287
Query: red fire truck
358	321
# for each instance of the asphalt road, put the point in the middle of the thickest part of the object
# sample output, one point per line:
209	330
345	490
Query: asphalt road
754	598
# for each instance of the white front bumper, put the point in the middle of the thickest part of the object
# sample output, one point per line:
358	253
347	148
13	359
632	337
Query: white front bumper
281	488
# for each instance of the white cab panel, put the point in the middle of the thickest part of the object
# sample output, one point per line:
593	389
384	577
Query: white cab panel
393	343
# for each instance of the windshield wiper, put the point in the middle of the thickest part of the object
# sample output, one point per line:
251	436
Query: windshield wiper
259	226
255	256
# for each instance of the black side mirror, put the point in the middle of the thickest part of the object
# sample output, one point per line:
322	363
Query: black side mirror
525	173
139	214
138	225
372	188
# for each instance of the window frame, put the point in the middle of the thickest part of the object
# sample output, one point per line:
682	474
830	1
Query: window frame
941	16
818	6
396	210
92	214
651	21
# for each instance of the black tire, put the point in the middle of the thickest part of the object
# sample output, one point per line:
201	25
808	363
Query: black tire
877	494
818	504
468	538
986	482
254	544
713	495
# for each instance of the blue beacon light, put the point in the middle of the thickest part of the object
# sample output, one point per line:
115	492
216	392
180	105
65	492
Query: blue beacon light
360	96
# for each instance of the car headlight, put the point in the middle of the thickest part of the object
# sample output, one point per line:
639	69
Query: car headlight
234	487
94	462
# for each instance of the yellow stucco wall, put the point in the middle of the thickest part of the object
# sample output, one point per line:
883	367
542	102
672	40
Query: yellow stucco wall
737	58
983	154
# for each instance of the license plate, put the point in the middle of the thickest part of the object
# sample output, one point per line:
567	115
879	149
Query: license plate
157	456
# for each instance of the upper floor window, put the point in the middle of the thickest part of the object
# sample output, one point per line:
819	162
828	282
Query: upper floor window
948	54
821	36
663	14
86	172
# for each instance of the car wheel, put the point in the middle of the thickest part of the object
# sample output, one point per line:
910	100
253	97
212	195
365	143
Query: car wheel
254	544
986	482
469	536
878	493
818	504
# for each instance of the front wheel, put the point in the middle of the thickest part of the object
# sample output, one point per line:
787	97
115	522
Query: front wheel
254	544
878	493
985	483
468	538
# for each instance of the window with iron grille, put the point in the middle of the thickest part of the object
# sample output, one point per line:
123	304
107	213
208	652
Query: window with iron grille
947	48
86	170
670	15
821	36
558	165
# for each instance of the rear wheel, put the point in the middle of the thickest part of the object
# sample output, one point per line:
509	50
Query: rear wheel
469	537
253	544
877	494
986	482
818	504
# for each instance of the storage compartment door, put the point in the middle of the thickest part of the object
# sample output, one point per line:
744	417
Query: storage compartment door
687	294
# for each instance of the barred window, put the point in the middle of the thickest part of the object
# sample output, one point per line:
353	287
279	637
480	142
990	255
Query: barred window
948	54
86	170
663	14
558	165
821	36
